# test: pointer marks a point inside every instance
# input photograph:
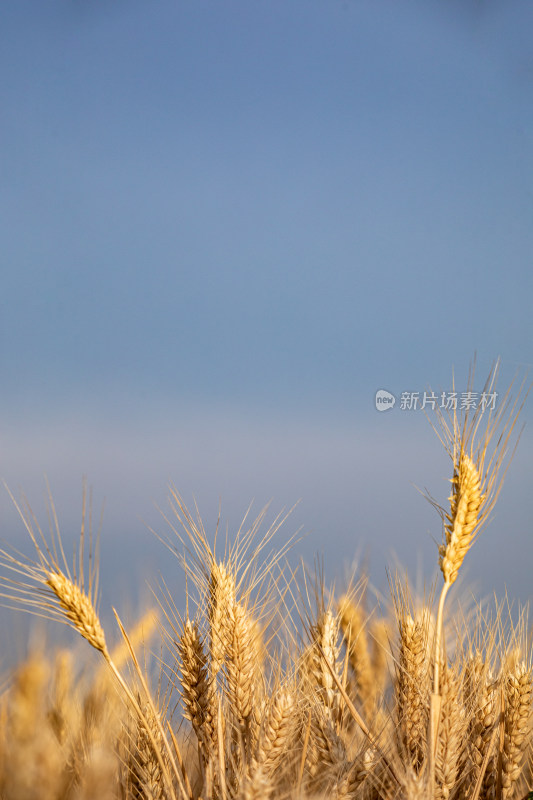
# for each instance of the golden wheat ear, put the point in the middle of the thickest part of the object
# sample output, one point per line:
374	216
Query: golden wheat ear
478	443
47	586
195	689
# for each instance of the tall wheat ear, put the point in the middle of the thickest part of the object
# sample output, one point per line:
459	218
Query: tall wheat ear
478	443
48	587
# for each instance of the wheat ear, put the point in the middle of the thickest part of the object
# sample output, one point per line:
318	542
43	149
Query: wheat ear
413	689
465	505
466	501
326	752
221	603
323	659
450	741
145	776
355	636
481	687
380	634
195	687
517	726
277	729
242	664
78	609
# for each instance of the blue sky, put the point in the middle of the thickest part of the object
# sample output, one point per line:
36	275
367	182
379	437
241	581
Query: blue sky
226	225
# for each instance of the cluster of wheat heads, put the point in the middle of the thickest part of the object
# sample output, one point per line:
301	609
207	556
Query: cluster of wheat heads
270	686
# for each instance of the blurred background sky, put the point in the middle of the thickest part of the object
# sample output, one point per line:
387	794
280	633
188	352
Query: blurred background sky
225	226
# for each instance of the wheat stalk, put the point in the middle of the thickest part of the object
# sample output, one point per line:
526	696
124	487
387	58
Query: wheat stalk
478	471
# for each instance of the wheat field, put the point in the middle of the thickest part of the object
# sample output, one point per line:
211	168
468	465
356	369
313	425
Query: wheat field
269	684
